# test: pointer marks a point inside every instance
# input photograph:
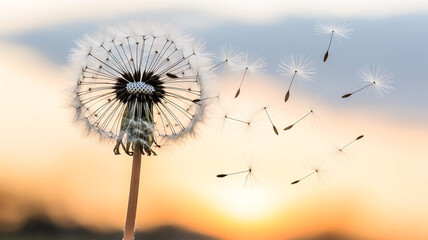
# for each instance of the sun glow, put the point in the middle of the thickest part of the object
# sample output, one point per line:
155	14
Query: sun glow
248	204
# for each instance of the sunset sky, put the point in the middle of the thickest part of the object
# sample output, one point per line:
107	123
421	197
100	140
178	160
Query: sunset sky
375	189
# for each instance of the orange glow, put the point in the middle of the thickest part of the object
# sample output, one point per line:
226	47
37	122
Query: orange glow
49	167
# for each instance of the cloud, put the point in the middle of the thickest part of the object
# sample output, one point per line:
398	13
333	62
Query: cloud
53	13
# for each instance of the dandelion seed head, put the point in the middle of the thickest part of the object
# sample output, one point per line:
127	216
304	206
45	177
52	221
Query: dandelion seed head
297	65
84	46
318	167
340	28
137	84
253	164
250	62
229	54
379	76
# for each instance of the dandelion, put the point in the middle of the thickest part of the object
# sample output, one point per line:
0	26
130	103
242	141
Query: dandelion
297	181
317	170
296	67
333	26
248	178
227	55
138	85
358	138
376	77
336	152
228	118
222	111
248	63
270	119
300	119
340	151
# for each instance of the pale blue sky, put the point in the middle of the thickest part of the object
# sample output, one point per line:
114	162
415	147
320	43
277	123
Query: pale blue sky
397	42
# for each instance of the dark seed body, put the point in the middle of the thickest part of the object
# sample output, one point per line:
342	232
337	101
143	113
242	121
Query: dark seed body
295	182
287	95
237	93
325	56
347	95
275	130
287	128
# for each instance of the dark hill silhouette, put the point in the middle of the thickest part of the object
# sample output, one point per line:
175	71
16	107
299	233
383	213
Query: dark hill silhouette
328	236
42	228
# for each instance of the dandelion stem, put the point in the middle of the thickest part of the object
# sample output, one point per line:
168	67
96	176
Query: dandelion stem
309	174
292	79
160	55
349	94
207	98
358	138
328	48
331	38
240	85
218	65
120	56
103	62
168	122
315	171
164	61
234	119
118	64
180	108
300	119
204	99
126	57
133	195
273	125
148	56
347	145
287	95
249	175
132	56
171	113
228	174
171	67
303	117
368	85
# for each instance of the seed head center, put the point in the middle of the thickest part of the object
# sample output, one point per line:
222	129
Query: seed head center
139	88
